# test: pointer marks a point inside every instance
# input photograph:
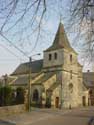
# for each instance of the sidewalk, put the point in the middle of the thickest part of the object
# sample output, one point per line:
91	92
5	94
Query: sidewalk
30	117
36	115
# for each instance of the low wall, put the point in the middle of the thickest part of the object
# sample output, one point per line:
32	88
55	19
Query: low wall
7	110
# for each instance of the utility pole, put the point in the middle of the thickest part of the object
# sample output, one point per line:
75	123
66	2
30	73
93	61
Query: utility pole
60	80
29	85
61	95
30	82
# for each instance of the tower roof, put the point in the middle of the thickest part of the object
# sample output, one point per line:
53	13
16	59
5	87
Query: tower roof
61	40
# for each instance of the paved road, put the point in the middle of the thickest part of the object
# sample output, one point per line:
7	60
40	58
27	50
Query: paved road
79	116
68	117
3	122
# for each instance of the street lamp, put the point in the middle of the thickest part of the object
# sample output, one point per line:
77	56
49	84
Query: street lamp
30	81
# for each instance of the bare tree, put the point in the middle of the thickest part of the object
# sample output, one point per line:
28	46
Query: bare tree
24	18
82	18
17	16
29	14
19	9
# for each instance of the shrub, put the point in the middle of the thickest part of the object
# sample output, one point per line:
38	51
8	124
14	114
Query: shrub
5	95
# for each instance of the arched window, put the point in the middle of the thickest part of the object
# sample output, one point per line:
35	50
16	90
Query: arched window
55	55
71	58
70	74
35	95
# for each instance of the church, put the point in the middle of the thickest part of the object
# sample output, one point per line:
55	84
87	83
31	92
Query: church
57	79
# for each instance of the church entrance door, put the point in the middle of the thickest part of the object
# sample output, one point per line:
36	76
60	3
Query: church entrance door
57	102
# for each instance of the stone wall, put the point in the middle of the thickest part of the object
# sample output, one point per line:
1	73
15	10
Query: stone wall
8	110
53	61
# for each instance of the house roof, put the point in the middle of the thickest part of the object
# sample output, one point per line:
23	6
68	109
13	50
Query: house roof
24	68
88	79
61	40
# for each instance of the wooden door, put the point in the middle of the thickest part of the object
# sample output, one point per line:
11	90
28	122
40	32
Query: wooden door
57	102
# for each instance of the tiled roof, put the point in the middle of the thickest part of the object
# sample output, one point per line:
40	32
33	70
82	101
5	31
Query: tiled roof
61	40
24	68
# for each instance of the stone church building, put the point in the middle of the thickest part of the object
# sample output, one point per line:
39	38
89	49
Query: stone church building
57	79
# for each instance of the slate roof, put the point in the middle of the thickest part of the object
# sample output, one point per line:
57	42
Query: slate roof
61	40
88	79
36	66
45	77
21	80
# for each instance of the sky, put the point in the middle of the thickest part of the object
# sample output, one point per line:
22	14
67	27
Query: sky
10	57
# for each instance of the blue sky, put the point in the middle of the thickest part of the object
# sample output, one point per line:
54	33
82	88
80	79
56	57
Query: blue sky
10	58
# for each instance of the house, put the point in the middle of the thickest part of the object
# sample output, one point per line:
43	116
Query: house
57	79
5	80
88	78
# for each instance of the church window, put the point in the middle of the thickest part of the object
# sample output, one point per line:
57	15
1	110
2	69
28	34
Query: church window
50	56
55	55
71	87
70	74
71	58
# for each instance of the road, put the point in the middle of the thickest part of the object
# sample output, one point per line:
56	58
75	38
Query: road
79	116
3	122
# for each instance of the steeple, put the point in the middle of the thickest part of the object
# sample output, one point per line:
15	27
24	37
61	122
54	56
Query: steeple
61	40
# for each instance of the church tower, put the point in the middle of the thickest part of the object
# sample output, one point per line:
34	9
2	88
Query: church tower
61	58
54	55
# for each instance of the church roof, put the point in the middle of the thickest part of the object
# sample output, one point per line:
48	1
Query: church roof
88	79
23	80
61	40
36	66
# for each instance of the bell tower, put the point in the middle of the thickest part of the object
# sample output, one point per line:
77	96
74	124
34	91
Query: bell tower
54	55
